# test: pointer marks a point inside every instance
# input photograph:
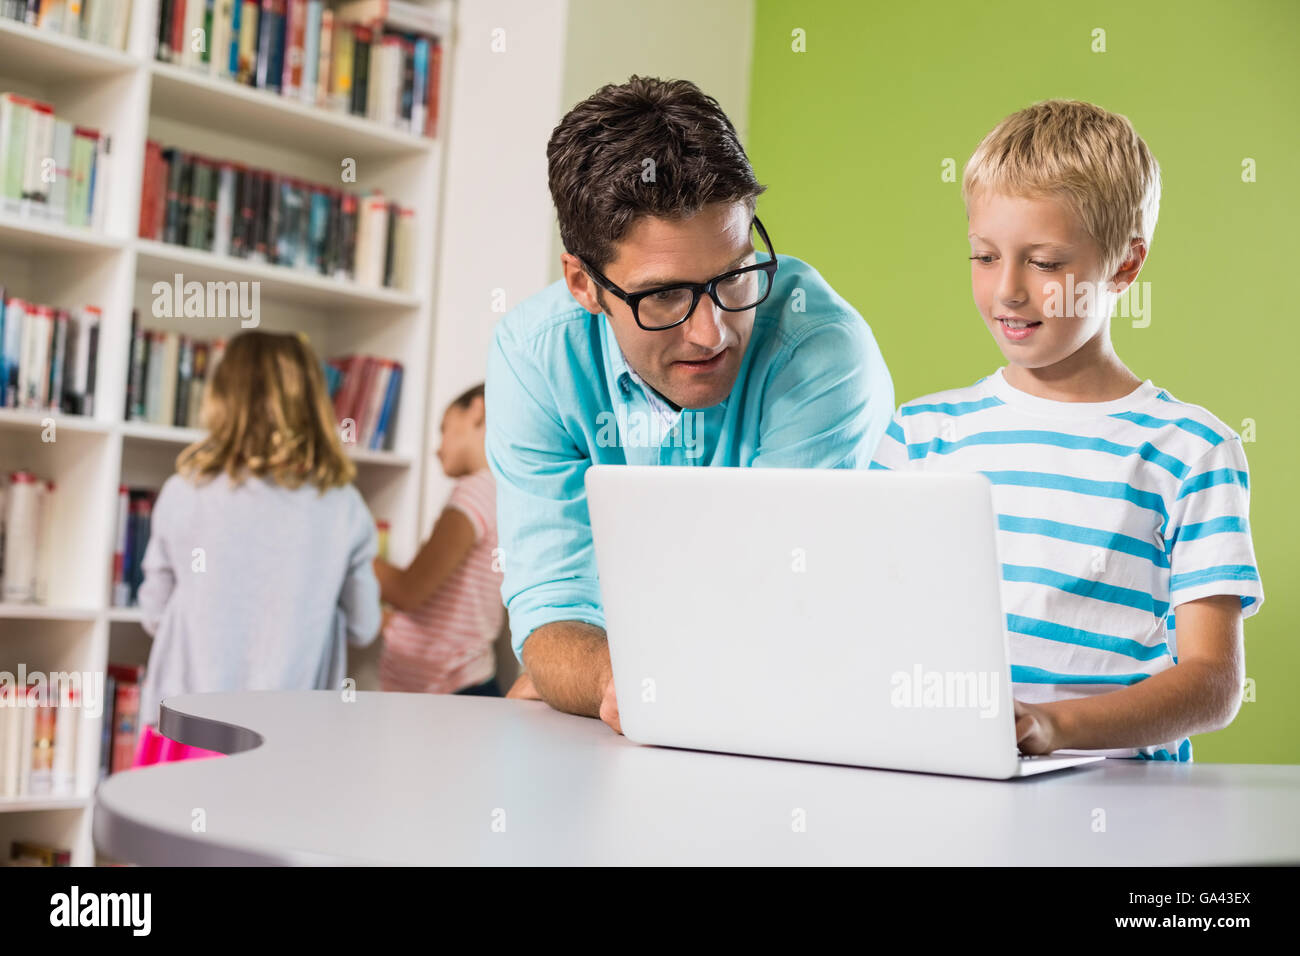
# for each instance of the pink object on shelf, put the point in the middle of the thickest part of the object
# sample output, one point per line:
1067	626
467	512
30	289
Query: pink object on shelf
155	748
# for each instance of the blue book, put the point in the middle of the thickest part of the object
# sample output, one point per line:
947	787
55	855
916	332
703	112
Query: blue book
311	51
236	18
4	374
381	438
318	223
420	86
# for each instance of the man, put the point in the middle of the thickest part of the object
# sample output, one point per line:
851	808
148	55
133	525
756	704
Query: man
675	337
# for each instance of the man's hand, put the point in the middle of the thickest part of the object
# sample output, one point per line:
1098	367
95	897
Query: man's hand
1037	731
523	689
568	663
609	706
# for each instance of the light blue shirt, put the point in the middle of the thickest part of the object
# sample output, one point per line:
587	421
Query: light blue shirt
812	392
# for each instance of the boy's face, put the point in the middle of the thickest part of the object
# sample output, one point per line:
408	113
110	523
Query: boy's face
695	364
463	431
1022	251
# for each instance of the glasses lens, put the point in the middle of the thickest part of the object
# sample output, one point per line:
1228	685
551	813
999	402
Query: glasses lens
743	291
664	308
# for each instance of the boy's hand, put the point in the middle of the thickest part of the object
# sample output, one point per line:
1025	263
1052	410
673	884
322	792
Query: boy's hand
1037	732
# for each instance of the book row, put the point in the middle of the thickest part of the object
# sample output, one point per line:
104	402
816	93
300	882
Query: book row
50	168
377	60
99	21
365	391
48	356
166	375
38	741
39	732
228	208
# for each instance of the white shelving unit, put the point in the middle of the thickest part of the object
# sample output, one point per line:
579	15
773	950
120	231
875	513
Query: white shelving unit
133	97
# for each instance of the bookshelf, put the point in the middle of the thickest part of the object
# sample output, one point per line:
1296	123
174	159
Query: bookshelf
133	97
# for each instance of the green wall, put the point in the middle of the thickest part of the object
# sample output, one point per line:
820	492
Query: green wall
849	136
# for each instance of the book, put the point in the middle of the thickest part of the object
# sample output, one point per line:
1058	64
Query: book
39	854
295	39
126	715
250	30
313	12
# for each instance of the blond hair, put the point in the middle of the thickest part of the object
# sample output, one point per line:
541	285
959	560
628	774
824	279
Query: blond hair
1088	157
268	414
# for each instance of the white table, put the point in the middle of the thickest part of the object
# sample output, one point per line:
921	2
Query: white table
428	779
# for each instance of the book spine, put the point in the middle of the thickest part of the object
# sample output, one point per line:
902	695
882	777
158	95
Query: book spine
419	85
58	356
324	65
362	38
163	39
21	529
431	98
125	726
249	35
106	728
65	743
92	364
15	323
225	211
311	52
295	26
15	112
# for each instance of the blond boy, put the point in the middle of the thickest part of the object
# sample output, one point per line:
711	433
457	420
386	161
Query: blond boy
1127	561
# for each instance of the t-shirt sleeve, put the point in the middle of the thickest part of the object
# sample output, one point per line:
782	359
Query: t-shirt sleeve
1212	551
891	453
473	497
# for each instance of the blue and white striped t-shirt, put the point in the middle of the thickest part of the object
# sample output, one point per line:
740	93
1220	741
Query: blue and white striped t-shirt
1110	514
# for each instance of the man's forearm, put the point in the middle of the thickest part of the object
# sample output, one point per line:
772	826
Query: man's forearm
568	662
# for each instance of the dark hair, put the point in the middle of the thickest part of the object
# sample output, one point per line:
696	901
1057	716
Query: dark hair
596	159
466	398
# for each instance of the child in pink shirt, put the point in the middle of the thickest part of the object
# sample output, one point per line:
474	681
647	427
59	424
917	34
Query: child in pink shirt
447	605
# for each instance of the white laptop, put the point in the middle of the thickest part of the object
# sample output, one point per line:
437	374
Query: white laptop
849	617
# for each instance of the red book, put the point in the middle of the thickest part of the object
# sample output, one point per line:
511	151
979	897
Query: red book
343	401
126	724
179	39
364	371
295	36
435	74
150	190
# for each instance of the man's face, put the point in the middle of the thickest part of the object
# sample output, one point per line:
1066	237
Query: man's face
695	364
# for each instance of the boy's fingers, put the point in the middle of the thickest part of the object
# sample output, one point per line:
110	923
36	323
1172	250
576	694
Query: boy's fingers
1025	726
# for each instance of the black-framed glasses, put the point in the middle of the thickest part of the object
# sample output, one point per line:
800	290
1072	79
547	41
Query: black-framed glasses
666	307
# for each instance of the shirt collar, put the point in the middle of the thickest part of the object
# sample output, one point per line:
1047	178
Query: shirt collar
621	372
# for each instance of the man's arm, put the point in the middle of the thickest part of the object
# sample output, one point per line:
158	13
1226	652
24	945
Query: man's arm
1199	694
547	555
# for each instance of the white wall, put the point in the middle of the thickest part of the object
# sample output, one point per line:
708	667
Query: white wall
709	42
503	104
